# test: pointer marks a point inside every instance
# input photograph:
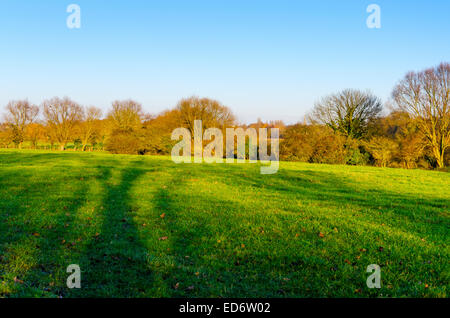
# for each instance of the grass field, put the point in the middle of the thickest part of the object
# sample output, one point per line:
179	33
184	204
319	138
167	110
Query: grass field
142	226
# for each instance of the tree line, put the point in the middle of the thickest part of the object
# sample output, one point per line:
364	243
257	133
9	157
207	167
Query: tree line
347	127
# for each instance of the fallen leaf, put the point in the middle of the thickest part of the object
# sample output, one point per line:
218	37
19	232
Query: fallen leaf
16	280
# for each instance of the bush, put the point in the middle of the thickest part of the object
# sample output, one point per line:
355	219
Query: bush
124	142
382	150
315	144
296	143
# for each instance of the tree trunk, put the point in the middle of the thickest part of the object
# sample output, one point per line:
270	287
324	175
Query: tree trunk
440	162
438	156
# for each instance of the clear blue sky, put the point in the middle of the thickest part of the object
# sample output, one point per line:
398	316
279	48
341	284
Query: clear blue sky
268	59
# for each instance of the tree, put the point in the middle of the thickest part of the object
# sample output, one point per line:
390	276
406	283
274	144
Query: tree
61	116
313	143
6	137
297	143
35	132
382	149
211	112
157	132
126	115
19	114
349	112
124	142
91	117
402	129
426	96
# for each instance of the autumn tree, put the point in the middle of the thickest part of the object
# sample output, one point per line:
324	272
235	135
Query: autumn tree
382	149
125	119
426	96
157	132
34	133
402	129
62	115
211	112
349	112
19	114
6	137
126	115
89	124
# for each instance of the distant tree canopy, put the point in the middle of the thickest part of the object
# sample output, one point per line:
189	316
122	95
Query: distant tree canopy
426	97
211	112
61	116
89	125
126	115
349	112
20	114
344	128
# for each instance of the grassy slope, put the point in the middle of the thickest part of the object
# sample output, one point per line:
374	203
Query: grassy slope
230	230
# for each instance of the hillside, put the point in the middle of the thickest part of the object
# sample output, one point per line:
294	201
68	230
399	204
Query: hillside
142	226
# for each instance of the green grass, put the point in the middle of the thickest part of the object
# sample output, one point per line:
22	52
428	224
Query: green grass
227	230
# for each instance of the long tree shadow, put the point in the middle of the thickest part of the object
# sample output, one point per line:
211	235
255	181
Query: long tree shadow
115	262
208	250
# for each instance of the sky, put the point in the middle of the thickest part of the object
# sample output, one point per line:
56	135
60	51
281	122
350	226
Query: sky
264	59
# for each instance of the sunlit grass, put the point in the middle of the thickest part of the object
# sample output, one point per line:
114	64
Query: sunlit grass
146	227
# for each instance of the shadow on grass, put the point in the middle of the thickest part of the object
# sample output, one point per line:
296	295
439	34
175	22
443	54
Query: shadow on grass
329	190
115	263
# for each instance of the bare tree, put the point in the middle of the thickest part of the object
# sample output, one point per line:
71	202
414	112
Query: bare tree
126	115
349	112
91	117
211	112
20	113
425	95
61	116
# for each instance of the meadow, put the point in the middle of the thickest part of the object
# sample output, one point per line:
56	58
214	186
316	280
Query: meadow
143	226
